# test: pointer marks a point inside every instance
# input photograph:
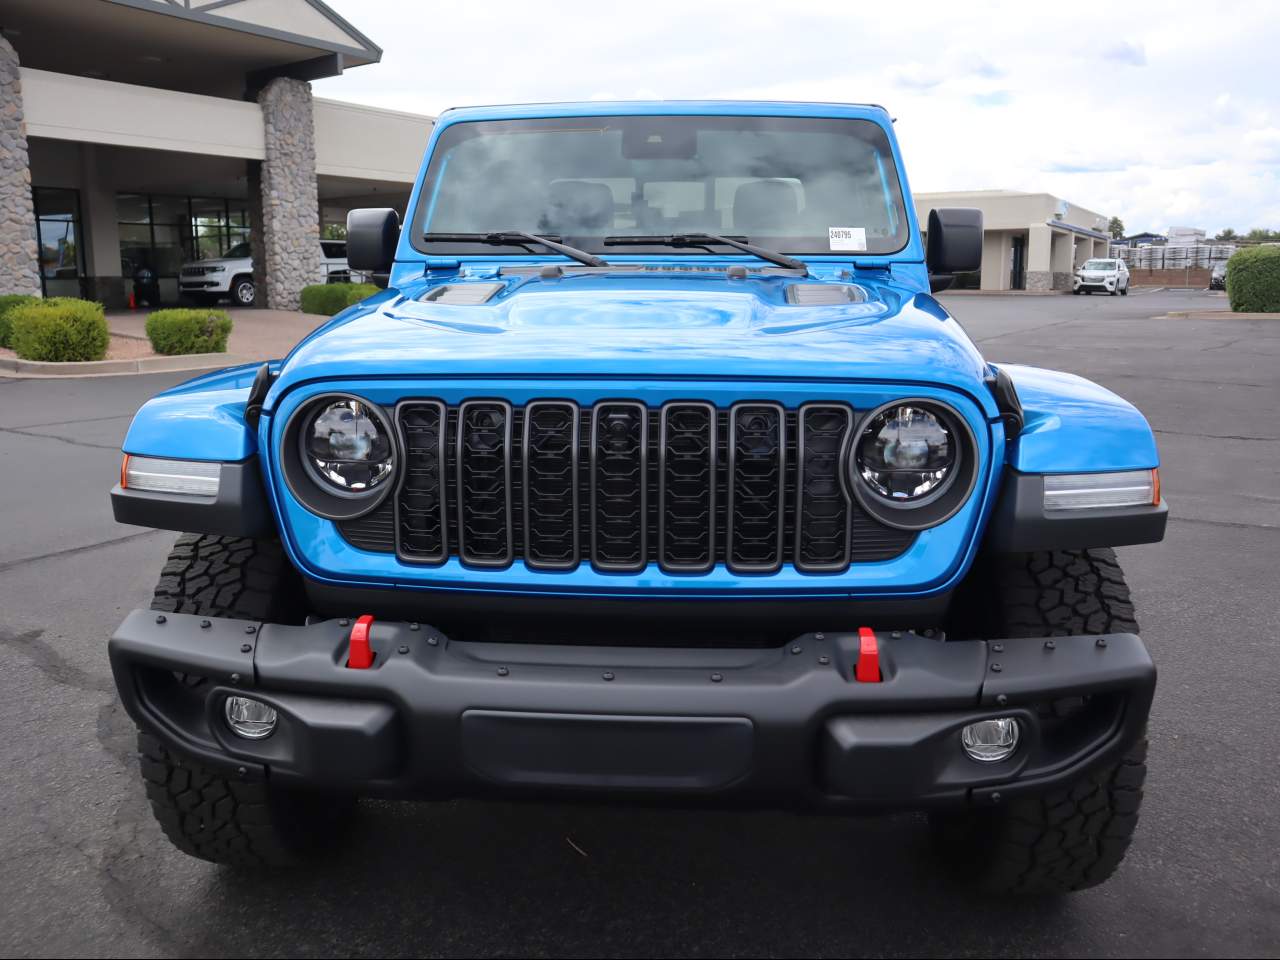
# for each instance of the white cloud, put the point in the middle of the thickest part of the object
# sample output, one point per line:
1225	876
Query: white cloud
1007	99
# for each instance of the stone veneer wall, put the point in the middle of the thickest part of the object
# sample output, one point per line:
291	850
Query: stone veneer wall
19	268
1039	280
286	206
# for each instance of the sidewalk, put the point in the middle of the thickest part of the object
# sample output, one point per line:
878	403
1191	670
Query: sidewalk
1216	315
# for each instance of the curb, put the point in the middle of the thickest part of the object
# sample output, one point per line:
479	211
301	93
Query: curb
99	368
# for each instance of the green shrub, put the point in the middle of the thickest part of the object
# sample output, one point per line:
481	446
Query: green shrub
7	302
1253	280
180	331
59	329
331	298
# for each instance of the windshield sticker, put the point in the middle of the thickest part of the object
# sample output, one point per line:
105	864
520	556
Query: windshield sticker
847	238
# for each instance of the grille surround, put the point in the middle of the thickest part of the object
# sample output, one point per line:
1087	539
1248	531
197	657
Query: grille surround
550	500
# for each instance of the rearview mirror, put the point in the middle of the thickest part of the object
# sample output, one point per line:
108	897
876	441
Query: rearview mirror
954	244
372	236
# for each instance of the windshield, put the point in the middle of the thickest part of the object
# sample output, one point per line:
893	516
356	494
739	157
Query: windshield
1100	265
238	251
794	184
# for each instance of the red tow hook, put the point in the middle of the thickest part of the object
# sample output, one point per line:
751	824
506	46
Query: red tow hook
360	656
867	669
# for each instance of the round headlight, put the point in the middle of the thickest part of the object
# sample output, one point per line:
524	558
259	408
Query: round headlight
348	447
906	454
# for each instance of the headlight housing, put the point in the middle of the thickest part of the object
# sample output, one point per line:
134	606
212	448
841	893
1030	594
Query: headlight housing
913	463
339	456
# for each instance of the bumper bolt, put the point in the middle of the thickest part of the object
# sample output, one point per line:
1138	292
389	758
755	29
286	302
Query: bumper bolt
1050	645
896	634
413	626
717	677
235	678
996	668
503	671
1102	641
246	648
161	618
824	660
404	648
251	629
608	675
433	641
1001	699
344	622
797	649
205	624
820	636
997	648
242	771
996	798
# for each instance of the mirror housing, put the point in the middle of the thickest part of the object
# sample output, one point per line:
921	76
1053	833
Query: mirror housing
372	235
954	244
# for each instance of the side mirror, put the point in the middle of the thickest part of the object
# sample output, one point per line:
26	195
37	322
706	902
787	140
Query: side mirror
372	236
954	244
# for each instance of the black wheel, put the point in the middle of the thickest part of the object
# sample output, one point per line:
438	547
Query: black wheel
1125	291
1075	837
1116	290
242	822
1076	291
243	291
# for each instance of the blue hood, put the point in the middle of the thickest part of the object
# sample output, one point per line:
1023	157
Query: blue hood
646	325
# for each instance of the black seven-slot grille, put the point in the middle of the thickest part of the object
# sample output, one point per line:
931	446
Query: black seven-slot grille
621	485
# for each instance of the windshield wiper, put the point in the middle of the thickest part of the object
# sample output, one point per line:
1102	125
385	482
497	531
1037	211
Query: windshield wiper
703	239
518	238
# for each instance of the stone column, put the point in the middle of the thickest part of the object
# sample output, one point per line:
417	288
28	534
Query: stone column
19	258
285	203
1063	251
1039	246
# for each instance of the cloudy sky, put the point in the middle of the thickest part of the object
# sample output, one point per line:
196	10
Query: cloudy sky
1166	114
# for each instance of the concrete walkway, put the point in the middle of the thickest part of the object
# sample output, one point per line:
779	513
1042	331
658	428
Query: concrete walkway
255	334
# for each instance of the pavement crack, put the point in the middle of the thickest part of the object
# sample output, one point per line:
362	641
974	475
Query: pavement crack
1226	523
63	423
50	436
1216	436
71	551
49	660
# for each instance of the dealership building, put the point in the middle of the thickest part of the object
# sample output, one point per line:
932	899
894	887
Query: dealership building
141	134
1031	241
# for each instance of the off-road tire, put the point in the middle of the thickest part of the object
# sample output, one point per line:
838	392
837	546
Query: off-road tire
243	822
1075	837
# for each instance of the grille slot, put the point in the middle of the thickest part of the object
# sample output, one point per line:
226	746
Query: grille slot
550	475
687	487
621	486
484	483
822	527
757	488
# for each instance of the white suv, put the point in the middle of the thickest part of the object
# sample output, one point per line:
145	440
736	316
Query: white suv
231	275
1109	276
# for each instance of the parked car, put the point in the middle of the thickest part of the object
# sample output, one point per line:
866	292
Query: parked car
656	472
1218	276
231	275
1105	276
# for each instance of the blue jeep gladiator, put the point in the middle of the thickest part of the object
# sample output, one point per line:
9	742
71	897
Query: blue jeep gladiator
656	472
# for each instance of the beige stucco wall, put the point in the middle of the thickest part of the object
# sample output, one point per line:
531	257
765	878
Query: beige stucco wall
1010	209
351	140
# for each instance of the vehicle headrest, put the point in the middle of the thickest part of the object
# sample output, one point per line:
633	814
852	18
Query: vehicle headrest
579	206
764	206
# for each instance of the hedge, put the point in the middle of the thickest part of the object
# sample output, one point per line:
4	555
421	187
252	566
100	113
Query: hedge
184	330
7	302
59	329
1253	280
331	298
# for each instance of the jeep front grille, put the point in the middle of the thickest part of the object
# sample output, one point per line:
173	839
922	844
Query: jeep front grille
620	485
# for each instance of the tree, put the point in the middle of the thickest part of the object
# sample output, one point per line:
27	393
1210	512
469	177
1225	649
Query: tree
1227	235
333	231
1116	228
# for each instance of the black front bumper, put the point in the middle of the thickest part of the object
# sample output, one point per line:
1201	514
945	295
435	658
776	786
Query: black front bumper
773	727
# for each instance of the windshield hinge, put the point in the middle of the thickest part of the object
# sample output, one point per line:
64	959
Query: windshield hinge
443	263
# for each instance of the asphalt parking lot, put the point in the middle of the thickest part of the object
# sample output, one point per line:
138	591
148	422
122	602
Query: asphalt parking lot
85	871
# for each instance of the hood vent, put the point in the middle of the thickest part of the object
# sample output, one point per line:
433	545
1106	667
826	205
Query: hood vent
824	294
462	294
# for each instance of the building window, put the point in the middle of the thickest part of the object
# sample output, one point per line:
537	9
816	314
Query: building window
160	233
58	226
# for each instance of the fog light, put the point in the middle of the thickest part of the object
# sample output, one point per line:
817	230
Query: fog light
990	741
251	719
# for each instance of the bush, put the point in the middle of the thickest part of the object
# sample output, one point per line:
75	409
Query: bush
1253	280
179	331
59	329
7	302
331	298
